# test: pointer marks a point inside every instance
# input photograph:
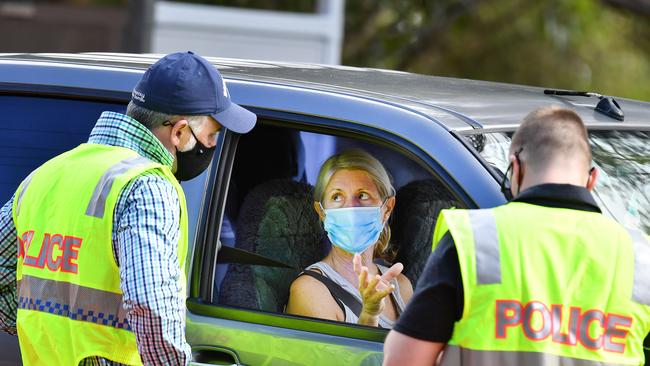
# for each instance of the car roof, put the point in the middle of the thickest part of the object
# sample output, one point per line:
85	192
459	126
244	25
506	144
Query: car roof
463	105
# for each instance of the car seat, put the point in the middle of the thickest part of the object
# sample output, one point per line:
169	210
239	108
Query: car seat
417	207
263	154
277	221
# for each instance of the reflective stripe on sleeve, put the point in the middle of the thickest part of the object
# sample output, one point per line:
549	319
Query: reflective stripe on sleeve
486	242
97	203
72	301
641	287
454	355
22	192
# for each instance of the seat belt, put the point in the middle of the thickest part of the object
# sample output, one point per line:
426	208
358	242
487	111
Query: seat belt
234	255
338	293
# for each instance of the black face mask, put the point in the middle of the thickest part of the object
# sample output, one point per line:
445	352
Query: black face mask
193	162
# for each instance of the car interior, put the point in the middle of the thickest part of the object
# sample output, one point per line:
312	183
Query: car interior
269	213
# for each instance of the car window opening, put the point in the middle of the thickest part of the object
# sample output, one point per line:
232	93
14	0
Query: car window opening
275	232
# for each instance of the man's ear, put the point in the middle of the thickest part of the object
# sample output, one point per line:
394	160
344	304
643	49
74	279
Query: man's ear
593	177
515	174
177	139
319	210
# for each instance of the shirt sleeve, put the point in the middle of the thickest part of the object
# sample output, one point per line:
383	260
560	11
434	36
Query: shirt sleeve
438	299
8	259
146	232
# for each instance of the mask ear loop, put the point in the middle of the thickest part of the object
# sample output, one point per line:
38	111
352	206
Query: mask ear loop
505	181
505	184
196	140
519	177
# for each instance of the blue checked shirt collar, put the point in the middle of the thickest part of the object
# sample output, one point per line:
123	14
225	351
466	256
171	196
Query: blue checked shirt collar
116	129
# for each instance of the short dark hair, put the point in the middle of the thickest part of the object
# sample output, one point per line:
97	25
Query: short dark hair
153	119
551	133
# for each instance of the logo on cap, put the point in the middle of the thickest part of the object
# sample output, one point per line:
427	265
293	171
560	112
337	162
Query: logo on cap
139	96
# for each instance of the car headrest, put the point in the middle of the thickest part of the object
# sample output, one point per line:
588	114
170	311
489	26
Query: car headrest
277	221
417	207
282	157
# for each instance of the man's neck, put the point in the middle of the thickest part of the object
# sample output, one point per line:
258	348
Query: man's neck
570	176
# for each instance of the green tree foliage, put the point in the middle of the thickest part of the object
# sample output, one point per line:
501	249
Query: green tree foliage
601	46
572	44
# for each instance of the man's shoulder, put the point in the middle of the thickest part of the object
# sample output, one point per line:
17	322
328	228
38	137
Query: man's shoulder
153	184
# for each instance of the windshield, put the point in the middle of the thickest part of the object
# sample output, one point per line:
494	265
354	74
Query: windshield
623	158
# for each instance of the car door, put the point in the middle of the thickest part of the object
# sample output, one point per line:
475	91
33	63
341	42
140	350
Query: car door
233	322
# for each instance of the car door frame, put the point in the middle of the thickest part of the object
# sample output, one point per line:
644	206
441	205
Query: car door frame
200	302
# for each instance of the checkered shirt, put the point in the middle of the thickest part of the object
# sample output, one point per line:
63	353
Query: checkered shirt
145	232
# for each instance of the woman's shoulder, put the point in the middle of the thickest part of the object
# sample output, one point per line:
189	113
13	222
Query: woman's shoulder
404	281
305	282
405	287
310	297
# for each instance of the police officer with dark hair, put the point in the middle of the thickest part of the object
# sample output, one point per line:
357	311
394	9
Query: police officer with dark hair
543	280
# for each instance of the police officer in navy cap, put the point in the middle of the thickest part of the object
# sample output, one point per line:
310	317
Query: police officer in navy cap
112	216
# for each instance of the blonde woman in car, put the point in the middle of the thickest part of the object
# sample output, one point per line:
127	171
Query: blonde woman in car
354	199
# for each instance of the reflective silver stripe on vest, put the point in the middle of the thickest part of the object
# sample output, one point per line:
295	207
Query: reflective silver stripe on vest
454	355
19	199
641	287
97	202
72	301
486	242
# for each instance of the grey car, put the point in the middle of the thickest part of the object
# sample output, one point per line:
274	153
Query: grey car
443	140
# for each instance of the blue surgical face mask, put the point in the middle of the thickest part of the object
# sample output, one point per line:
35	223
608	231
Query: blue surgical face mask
353	229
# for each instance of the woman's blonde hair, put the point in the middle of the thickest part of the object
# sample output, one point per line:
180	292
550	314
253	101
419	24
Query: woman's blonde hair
357	159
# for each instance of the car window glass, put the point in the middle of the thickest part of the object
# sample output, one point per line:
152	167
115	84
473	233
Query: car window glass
623	158
194	190
269	212
35	129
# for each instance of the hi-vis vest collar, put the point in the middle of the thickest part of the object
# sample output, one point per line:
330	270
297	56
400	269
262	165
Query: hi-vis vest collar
69	295
521	318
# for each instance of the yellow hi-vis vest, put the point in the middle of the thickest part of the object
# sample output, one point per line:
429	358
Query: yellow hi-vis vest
69	298
548	286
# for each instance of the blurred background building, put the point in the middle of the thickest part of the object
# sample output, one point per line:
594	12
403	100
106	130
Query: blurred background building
595	45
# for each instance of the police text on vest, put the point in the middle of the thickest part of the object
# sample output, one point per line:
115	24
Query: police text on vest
592	328
57	252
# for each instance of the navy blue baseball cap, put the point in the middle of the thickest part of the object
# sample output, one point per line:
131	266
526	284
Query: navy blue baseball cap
184	83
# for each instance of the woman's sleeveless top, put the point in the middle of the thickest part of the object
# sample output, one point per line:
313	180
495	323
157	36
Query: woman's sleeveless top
350	317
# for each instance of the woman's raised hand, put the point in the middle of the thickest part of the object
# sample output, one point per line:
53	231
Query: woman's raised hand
373	290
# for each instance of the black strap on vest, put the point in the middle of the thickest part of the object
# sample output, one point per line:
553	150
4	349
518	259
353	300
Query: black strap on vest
338	293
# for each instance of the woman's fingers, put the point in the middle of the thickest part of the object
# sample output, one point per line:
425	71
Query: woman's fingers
363	278
356	262
385	292
393	272
374	282
381	289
